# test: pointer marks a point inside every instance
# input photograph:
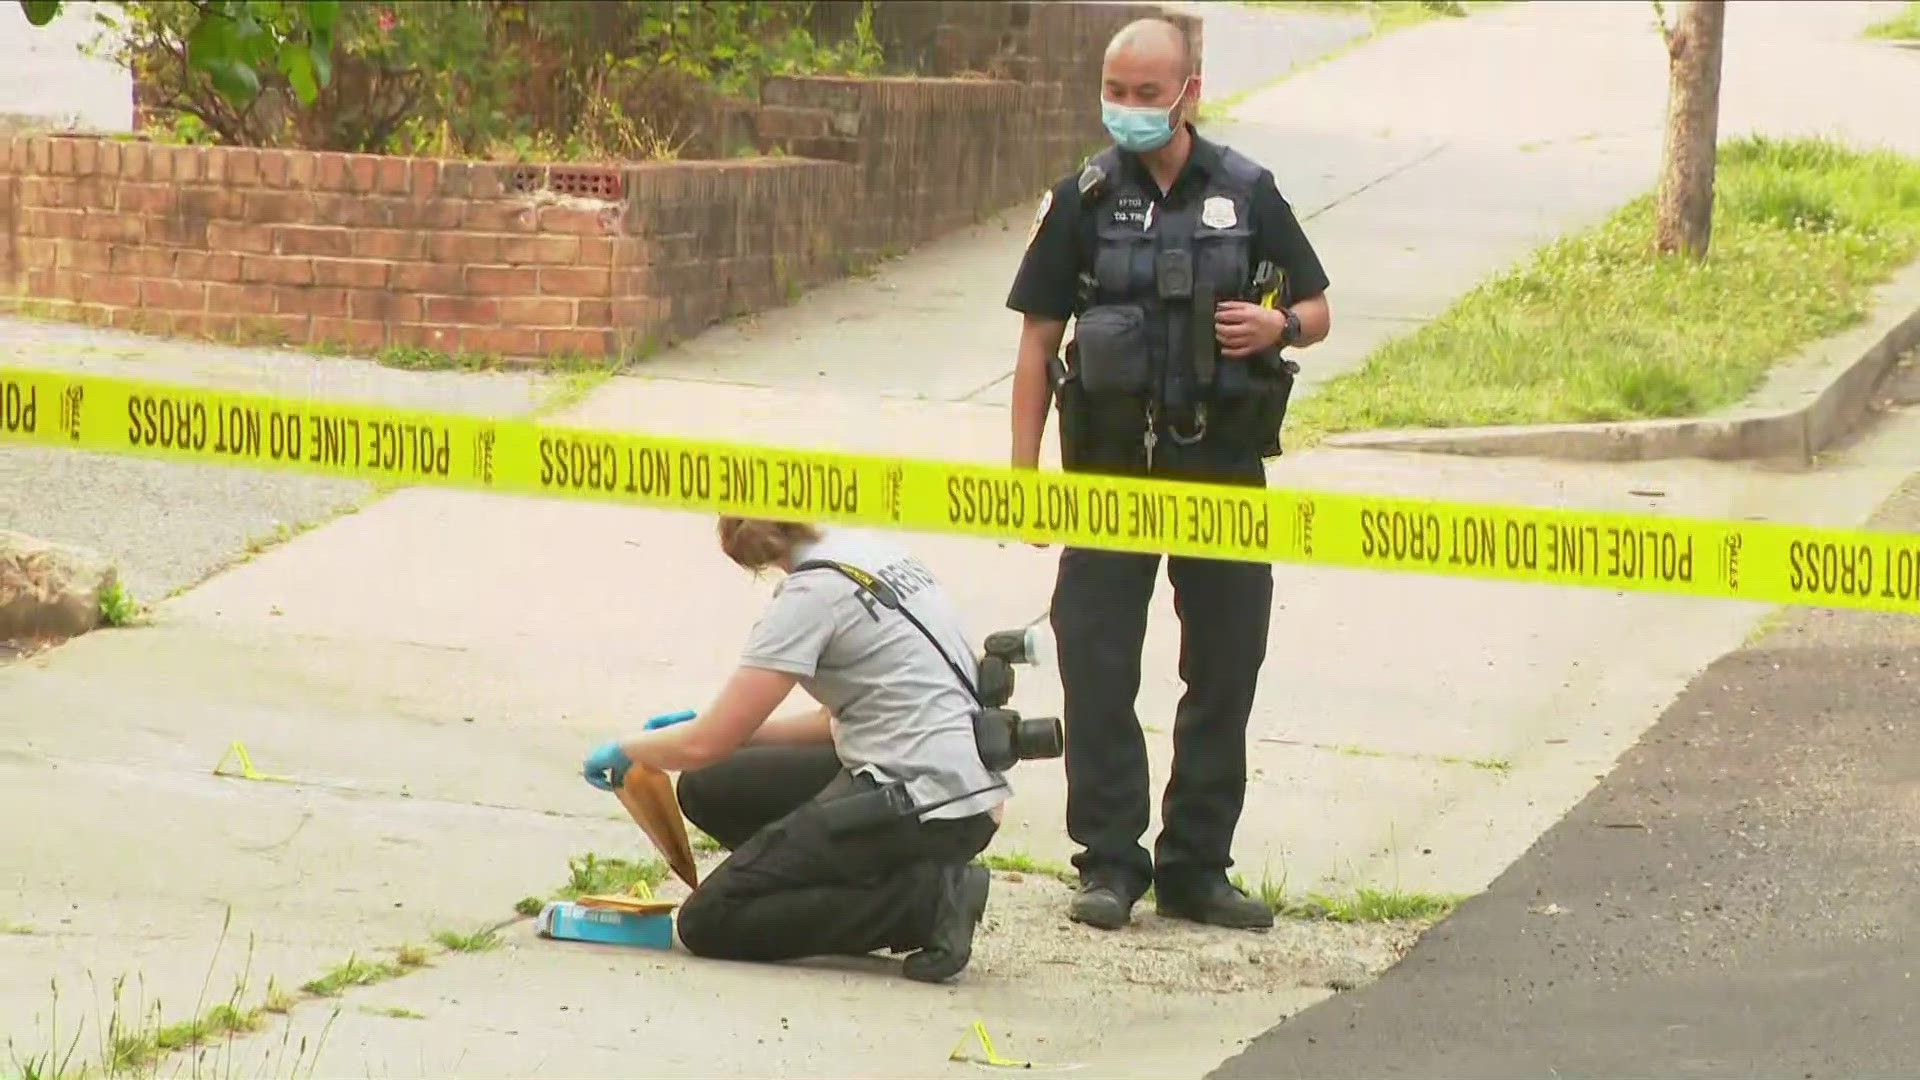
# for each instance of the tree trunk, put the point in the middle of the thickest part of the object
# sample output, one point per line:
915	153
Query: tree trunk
1684	218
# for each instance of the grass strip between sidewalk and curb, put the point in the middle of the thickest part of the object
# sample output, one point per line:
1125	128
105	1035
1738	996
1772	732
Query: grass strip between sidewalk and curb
1597	326
1903	25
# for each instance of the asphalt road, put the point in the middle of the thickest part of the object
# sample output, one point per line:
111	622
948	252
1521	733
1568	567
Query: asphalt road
1735	899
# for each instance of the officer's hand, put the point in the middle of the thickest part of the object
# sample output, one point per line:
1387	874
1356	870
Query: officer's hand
606	768
1244	329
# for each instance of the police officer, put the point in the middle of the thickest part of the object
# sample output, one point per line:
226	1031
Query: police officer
1186	274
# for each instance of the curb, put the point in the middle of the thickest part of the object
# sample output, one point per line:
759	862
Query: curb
1839	375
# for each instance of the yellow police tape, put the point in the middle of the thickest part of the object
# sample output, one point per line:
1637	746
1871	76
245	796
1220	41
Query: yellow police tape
1767	562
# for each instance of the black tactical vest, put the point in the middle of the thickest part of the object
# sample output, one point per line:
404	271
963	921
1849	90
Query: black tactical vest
1144	332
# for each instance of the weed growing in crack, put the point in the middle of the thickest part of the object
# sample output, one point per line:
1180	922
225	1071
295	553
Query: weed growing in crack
477	941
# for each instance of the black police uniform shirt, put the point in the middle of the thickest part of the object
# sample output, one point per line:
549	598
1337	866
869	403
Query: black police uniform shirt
1063	238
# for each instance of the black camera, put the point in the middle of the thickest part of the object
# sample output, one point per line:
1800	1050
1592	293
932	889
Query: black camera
1006	738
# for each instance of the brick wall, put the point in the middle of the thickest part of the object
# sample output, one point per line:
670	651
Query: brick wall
369	252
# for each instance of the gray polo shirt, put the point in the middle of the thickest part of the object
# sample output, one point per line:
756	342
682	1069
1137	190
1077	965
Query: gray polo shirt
901	713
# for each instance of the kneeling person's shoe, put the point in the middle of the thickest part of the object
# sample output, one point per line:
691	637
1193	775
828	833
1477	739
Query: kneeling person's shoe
1216	903
1101	904
963	903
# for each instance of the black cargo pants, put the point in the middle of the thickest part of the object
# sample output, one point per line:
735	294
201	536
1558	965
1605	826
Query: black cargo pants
1099	618
789	889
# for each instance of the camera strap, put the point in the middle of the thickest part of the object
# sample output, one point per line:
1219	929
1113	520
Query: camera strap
885	595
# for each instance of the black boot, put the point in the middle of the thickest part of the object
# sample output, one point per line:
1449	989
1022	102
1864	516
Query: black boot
1214	902
962	904
1102	902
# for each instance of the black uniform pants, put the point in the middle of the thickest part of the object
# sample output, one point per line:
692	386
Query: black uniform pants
789	889
1099	618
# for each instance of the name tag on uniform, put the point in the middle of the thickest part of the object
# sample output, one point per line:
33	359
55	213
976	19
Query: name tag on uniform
1132	210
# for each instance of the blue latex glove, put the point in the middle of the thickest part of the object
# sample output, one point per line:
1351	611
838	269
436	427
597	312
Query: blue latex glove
670	719
606	767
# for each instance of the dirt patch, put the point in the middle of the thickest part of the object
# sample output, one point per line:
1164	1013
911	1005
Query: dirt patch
1027	938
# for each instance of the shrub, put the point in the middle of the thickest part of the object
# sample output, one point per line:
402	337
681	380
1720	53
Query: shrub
554	78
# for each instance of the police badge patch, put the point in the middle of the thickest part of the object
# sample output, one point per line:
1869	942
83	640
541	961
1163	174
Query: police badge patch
1040	216
1217	213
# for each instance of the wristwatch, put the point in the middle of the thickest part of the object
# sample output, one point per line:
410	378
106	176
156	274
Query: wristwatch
1292	333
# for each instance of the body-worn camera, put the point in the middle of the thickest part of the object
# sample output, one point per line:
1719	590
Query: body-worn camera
1006	738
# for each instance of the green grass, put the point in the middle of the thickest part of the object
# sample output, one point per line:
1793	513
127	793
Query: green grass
397	1012
353	972
1019	862
118	607
477	941
1903	26
1596	326
599	875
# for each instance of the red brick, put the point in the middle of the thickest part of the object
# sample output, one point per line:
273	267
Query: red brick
575	221
331	173
225	236
133	161
111	289
463	310
381	306
240	299
147	198
456	180
502	281
355	211
91	256
86	157
436	214
300	240
46	192
141	320
273	168
633	281
315	300
388	244
205	324
208	266
536	311
600	251
488	181
39	155
392	173
538	250
353	273
590	314
243	167
94	314
277	271
55	224
423	177
500	341
464	248
146	262
209	203
427	278
189	164
352	333
213	166
364	172
178	230
574	281
639	312
581	342
60	157
279	207
53	283
40	254
301	169
173	295
119	228
499	217
98	193
293	328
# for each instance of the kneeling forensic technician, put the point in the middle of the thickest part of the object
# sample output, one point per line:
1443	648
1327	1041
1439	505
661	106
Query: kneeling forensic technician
851	826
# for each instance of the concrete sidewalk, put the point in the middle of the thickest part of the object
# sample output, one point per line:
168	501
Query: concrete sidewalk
431	669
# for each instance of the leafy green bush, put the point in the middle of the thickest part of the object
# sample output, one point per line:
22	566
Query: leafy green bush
494	78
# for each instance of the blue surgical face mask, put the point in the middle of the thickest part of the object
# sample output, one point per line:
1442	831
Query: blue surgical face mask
1138	128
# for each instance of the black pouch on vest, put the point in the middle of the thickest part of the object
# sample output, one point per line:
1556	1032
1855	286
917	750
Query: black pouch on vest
866	811
1114	350
1273	379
